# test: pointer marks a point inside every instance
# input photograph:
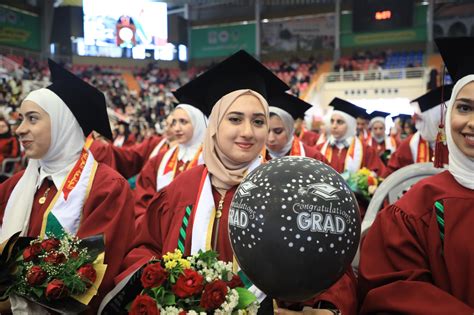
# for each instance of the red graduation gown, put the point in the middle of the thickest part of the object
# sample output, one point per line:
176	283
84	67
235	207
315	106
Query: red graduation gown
158	233
9	148
309	137
105	211
402	157
370	159
128	161
146	183
311	152
404	268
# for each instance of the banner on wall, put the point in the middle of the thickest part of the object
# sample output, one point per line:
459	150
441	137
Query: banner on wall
299	33
19	29
222	41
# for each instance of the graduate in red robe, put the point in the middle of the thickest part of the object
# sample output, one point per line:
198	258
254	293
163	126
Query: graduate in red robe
129	161
9	146
308	137
344	151
64	189
417	256
189	125
419	147
281	140
383	144
201	197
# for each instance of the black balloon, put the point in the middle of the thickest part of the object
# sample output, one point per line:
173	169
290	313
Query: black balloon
294	226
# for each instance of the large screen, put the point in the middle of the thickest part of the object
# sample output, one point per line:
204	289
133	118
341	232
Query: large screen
381	15
119	28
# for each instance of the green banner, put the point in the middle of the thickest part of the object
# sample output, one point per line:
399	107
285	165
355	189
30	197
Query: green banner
416	34
19	29
221	41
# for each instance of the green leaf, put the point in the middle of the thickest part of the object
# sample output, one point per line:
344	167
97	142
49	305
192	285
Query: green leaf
169	299
245	298
158	292
37	291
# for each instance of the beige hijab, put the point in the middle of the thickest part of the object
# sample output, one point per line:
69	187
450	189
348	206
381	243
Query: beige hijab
225	172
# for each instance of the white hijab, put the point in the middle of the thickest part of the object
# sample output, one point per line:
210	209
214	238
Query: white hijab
289	124
351	128
371	124
188	150
460	166
67	141
429	122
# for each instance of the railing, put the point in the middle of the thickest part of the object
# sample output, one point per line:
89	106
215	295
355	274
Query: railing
376	75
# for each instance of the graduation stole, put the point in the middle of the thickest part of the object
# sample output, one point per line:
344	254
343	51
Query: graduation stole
354	156
390	144
64	213
297	148
169	163
302	132
161	145
203	222
420	149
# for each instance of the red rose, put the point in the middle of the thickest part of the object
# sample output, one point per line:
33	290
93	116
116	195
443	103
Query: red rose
50	244
214	295
73	255
87	274
144	305
371	181
31	252
235	282
153	276
189	283
56	290
36	275
182	313
55	258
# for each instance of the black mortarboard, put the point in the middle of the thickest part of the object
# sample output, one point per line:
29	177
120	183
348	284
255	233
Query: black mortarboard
434	97
295	106
377	113
348	108
402	117
239	71
85	101
457	54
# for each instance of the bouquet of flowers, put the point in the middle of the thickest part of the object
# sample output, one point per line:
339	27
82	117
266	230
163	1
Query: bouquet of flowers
199	284
363	182
59	274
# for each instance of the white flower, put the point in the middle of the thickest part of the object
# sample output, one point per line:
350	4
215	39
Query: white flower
170	310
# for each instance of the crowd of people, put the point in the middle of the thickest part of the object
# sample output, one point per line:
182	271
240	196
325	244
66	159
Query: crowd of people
229	120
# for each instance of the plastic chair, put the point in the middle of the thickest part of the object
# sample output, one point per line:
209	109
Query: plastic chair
393	188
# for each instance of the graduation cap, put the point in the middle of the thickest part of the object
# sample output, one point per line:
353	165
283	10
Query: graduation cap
457	54
295	106
85	101
434	97
348	108
239	71
402	117
377	113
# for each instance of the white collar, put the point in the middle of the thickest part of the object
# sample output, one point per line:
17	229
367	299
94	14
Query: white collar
57	178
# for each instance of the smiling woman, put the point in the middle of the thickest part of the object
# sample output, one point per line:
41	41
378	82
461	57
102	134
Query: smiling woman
35	130
64	189
430	227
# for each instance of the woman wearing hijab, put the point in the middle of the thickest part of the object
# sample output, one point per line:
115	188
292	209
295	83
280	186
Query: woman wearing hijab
383	144
129	161
189	126
417	255
9	146
64	189
281	138
201	197
343	149
419	147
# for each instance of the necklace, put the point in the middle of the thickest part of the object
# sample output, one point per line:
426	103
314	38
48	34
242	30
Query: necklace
42	200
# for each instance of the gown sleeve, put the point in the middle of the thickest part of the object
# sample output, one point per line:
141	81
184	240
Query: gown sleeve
395	275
